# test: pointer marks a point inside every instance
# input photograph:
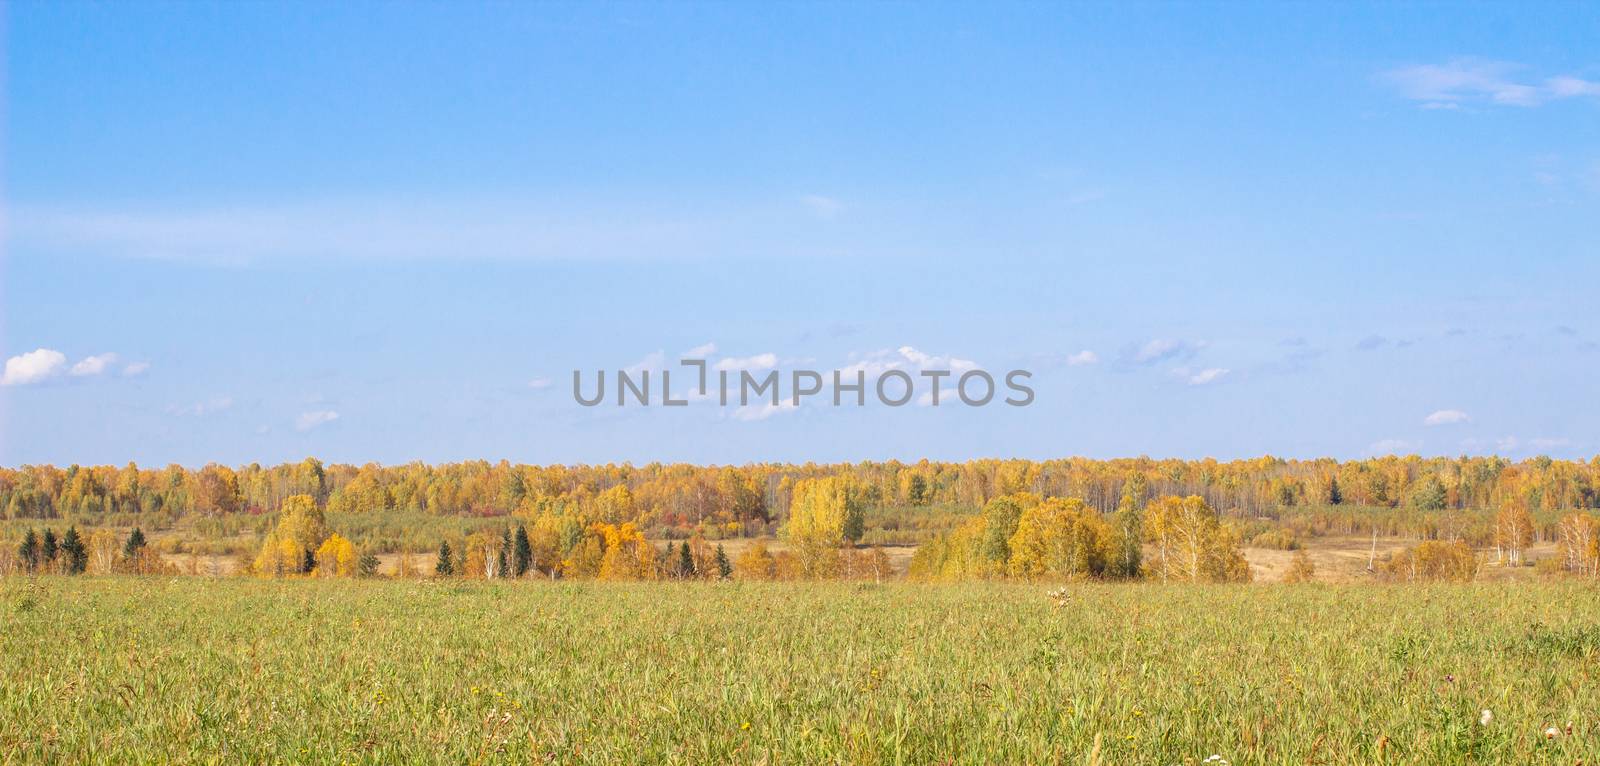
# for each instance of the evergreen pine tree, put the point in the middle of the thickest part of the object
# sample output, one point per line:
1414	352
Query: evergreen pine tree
446	564
74	552
309	563
685	562
28	552
1335	497
505	553
48	551
135	543
724	567
521	552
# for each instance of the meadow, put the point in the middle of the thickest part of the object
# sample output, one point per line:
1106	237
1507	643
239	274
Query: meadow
241	670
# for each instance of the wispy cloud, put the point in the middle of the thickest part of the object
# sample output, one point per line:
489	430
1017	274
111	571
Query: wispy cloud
1446	418
314	419
1468	81
1082	358
757	362
93	365
1206	376
1158	350
208	407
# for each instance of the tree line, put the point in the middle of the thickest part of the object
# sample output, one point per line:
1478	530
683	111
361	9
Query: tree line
721	500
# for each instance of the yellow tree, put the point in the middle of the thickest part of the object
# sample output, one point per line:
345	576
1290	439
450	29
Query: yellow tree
1191	544
755	563
336	557
615	505
1300	568
627	556
1513	531
585	558
300	531
824	516
1434	560
1059	537
1579	538
485	553
104	546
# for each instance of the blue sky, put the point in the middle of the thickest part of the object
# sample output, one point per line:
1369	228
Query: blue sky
386	232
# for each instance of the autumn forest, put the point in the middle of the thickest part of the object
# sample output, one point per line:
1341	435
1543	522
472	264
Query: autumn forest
1124	519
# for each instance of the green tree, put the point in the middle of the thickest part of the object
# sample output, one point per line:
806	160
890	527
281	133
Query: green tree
504	554
74	553
28	552
917	490
1429	495
48	551
724	567
445	566
1000	517
521	552
135	543
685	562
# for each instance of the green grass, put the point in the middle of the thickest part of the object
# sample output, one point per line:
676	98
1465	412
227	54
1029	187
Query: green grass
180	670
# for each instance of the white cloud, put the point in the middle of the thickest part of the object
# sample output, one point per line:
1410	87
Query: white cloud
925	361
1446	418
1158	350
1206	376
93	365
1465	80
33	367
313	419
701	351
1083	357
765	361
43	364
539	384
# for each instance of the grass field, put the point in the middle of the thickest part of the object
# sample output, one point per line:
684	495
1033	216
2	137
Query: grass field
166	670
